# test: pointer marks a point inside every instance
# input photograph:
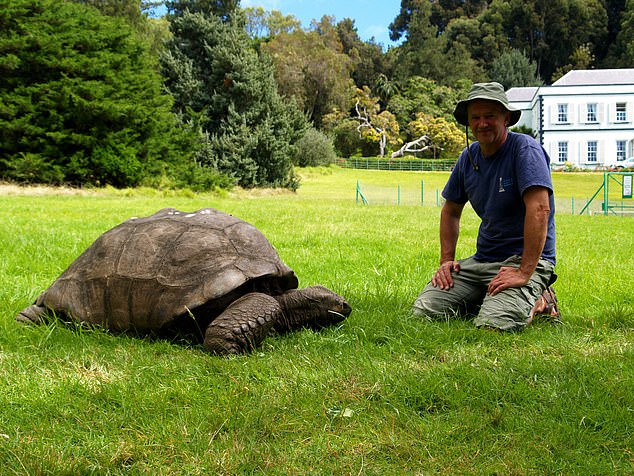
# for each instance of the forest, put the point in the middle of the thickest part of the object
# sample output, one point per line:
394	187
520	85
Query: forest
212	95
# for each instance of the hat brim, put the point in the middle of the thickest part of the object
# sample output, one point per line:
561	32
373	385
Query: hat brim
460	112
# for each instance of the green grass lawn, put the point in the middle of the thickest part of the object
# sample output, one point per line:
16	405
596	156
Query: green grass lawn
383	393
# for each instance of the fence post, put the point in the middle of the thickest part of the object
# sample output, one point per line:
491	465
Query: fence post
605	193
422	193
360	194
398	200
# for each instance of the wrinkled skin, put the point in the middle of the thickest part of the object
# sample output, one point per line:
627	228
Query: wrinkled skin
247	321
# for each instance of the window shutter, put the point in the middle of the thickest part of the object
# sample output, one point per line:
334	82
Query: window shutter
572	114
601	112
600	149
554	151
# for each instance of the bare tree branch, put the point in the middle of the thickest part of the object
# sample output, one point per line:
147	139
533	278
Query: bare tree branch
418	145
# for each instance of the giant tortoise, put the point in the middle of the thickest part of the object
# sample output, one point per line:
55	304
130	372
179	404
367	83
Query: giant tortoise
204	273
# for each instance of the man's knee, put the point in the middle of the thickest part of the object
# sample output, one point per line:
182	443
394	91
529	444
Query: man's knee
424	306
434	303
506	311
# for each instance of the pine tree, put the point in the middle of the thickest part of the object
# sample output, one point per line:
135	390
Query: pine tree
80	97
220	83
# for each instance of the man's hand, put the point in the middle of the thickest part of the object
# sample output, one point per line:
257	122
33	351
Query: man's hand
537	205
507	277
442	279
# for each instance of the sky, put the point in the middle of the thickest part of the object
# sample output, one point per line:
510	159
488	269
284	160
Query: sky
371	17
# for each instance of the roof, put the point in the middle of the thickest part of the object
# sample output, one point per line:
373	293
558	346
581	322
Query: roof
594	77
521	94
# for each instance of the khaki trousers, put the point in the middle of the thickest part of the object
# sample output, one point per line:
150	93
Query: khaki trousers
508	310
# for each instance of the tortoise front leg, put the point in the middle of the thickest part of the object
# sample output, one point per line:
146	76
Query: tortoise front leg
243	325
32	315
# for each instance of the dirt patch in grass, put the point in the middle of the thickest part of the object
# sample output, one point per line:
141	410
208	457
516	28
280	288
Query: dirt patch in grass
242	193
39	190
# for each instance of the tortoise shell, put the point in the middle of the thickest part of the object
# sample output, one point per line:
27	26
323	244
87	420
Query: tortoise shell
148	272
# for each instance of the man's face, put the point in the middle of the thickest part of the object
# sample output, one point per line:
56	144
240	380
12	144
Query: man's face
488	120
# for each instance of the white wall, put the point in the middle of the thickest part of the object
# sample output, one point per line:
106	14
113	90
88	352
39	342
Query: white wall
578	131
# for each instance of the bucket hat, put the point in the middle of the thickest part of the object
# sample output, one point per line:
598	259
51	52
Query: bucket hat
491	92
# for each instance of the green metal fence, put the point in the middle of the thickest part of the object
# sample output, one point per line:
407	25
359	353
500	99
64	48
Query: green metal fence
369	194
397	195
616	202
419	165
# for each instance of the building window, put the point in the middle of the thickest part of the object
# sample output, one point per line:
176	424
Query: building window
621	150
592	151
562	152
562	112
591	113
621	112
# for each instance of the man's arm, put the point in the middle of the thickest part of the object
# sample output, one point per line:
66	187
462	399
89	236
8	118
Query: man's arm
449	231
535	230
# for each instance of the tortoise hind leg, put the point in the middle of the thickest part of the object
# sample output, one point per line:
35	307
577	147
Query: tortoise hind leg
243	325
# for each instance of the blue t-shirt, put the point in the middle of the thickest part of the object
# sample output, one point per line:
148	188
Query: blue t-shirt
495	192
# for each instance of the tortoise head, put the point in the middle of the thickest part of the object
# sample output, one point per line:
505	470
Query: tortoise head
314	307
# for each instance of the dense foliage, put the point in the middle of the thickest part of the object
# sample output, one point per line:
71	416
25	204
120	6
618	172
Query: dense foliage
99	92
479	32
81	98
315	149
221	84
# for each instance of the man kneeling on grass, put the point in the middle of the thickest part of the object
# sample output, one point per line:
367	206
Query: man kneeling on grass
506	178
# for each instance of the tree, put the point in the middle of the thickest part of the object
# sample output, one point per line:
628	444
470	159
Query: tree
445	11
424	95
448	40
131	10
264	24
135	12
81	98
440	13
581	58
442	135
429	54
551	31
514	69
401	23
483	37
386	88
312	69
368	63
617	10
375	125
226	10
621	52
226	89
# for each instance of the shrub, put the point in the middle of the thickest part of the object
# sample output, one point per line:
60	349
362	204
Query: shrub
32	168
114	164
187	174
346	138
315	148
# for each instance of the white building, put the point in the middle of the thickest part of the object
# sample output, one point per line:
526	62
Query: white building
585	119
